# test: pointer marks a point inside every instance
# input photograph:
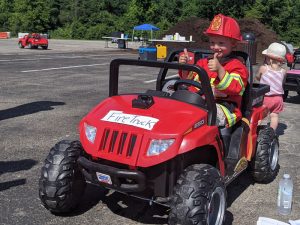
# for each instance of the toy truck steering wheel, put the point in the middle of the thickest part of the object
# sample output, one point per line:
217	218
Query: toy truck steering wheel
184	82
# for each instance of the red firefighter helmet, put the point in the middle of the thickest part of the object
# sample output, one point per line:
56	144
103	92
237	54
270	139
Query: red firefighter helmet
224	26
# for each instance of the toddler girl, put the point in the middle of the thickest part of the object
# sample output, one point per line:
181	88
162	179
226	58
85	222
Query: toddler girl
273	74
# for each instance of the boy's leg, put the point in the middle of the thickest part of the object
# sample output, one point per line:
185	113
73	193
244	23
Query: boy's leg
274	120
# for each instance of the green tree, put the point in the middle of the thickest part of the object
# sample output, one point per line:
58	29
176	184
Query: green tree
82	18
30	16
5	10
280	15
208	8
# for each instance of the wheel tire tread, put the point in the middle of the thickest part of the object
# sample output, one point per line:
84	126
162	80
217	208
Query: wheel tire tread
189	205
260	166
57	190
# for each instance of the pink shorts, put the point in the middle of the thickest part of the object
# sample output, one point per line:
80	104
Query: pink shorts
274	103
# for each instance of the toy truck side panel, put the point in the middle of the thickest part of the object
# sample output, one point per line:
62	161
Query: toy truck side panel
259	112
23	40
257	115
201	139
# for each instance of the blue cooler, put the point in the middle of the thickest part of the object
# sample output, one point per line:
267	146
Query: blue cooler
148	53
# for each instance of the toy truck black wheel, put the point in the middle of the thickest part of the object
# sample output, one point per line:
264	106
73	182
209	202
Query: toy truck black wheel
30	45
61	184
20	45
264	167
45	47
199	197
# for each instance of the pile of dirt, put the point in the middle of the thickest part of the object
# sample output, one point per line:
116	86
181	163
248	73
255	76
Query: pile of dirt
196	26
191	27
264	36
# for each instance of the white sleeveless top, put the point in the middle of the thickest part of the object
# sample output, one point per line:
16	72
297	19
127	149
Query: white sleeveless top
274	79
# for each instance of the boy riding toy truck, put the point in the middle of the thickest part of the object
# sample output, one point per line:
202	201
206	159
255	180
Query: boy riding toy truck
162	147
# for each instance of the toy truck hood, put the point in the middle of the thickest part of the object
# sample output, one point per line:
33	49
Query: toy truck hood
120	126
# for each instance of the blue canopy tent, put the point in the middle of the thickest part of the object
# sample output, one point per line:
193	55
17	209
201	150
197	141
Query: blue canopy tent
147	27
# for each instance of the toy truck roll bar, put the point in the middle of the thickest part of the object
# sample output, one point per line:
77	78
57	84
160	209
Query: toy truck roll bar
207	91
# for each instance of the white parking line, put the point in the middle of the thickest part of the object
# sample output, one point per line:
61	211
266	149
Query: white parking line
58	57
154	80
64	67
15	60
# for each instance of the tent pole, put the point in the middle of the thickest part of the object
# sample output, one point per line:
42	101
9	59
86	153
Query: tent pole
132	35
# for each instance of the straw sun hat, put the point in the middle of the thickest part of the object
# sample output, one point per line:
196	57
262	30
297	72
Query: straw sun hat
275	51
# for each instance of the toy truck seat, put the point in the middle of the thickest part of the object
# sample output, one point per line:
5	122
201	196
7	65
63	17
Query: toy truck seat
233	137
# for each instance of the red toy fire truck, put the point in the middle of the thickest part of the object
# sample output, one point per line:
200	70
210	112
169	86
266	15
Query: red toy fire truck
162	147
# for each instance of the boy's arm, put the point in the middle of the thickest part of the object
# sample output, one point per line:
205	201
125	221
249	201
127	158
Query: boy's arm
235	79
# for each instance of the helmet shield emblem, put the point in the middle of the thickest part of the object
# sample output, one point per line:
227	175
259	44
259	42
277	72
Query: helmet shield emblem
216	23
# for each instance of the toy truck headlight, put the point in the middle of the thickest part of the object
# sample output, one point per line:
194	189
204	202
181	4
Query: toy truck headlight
156	147
90	132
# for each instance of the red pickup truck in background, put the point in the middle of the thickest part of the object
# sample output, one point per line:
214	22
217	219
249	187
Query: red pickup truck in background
33	41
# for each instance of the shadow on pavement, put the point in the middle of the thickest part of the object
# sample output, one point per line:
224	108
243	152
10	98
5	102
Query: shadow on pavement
122	205
92	196
136	209
228	218
29	108
132	208
293	99
15	166
280	129
238	186
140	210
13	183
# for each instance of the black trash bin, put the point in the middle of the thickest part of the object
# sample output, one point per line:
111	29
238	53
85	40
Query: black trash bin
121	43
249	45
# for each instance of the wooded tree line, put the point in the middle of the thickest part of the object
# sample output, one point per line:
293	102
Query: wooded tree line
92	19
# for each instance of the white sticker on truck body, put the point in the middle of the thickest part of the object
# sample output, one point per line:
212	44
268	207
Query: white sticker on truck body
144	122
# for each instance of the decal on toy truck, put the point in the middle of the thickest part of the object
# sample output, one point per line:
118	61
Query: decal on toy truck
104	178
144	122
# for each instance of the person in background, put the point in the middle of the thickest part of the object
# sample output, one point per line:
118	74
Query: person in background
290	58
228	75
273	74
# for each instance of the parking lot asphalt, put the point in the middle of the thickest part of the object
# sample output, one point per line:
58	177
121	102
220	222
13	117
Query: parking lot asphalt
45	93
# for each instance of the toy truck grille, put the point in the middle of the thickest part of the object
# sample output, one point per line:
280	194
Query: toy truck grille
119	143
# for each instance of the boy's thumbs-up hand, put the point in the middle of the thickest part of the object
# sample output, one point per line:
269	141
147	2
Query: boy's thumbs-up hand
186	52
214	64
184	57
